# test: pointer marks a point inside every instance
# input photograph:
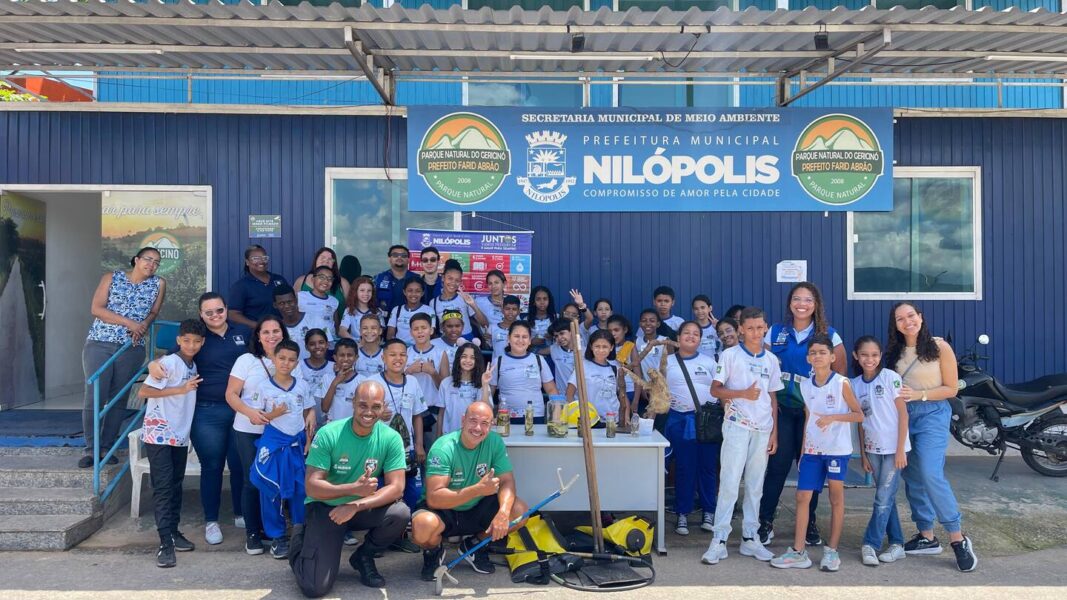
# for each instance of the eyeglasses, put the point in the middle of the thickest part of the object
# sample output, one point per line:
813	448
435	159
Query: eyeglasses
150	260
324	277
398	255
434	259
259	259
213	313
803	300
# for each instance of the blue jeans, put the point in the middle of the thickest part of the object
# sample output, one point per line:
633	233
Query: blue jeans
213	439
884	519
925	485
696	465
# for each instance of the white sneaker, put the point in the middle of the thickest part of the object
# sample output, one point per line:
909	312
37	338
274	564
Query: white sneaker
351	539
894	553
716	552
870	556
682	528
213	533
239	522
708	522
756	550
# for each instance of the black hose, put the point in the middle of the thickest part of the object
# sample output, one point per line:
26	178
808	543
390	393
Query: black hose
579	586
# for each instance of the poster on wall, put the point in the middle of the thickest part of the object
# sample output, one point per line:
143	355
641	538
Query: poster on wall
480	252
176	224
534	159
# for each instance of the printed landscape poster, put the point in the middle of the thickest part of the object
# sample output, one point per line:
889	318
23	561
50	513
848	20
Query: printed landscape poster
22	269
176	223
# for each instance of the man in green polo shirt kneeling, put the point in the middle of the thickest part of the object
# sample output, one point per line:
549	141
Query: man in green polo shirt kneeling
344	465
469	491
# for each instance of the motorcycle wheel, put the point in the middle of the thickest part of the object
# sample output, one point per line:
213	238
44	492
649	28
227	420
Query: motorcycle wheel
1040	461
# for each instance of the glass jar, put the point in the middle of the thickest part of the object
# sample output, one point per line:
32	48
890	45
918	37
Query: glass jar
610	424
503	422
557	427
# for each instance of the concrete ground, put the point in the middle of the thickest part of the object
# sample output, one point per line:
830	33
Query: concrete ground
1019	528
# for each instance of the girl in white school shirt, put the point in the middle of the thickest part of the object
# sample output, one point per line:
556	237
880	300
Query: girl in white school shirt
601	377
520	376
468	383
362	300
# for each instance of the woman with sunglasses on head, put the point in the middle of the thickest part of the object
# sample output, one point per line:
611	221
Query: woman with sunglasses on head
124	305
252	296
324	257
212	432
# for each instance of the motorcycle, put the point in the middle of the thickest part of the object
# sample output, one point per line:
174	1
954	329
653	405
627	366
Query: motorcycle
1030	417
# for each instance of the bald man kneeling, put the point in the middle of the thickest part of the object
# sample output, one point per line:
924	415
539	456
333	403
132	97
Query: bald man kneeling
469	491
347	460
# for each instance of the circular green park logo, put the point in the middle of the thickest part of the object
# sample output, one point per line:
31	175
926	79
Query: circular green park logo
837	159
170	251
463	158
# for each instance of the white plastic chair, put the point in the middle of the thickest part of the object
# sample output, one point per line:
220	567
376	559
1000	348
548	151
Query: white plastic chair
139	467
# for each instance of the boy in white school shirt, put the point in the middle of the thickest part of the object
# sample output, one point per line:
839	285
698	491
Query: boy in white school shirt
168	418
746	380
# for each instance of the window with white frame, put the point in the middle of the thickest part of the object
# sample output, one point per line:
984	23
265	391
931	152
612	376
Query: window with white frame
928	246
367	211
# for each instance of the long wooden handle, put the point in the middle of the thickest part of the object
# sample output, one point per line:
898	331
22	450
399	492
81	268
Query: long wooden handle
587	440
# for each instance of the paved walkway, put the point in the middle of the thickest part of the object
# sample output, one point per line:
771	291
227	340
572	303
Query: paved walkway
1019	526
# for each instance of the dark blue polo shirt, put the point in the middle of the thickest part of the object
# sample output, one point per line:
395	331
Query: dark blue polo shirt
254	298
216	358
388	289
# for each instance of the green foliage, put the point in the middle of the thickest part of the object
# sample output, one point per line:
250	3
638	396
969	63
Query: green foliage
10	94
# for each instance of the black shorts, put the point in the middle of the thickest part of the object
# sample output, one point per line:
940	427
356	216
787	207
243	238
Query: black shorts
474	520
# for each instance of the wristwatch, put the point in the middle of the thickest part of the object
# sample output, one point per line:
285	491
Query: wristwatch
924	396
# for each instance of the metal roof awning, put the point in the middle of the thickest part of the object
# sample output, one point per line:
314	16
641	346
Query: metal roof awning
386	45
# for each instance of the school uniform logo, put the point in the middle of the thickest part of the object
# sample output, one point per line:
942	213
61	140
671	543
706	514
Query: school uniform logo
546	178
435	461
879	391
238	340
830	401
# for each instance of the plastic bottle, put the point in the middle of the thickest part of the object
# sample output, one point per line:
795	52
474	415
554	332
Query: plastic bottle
529	417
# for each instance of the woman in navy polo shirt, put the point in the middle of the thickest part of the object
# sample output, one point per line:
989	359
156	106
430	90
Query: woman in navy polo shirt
212	433
252	296
788	341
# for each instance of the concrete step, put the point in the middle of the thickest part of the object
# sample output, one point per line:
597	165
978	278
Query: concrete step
41	451
47	501
51	472
46	532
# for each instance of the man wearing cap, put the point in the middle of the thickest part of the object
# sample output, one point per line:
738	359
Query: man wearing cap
344	465
469	491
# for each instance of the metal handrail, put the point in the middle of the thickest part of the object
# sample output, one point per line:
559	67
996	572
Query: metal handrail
100	412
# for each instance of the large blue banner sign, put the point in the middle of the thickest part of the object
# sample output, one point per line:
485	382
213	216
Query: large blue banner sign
600	160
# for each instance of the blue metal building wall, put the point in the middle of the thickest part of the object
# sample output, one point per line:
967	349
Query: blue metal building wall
271	164
732	256
919	95
254	164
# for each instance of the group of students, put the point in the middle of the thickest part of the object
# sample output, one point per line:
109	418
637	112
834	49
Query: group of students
783	389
